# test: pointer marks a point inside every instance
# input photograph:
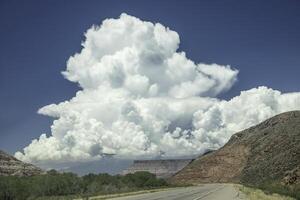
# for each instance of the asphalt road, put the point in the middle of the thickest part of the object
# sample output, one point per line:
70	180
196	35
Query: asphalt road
201	192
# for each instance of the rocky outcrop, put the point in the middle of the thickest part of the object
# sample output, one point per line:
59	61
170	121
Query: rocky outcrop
218	167
161	168
292	177
10	166
268	152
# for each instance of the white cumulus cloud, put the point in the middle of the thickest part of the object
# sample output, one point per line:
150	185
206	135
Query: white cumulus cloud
141	97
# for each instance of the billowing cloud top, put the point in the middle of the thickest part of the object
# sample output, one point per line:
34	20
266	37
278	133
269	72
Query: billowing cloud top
141	97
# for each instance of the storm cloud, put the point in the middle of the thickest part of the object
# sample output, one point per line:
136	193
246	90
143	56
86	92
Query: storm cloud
141	97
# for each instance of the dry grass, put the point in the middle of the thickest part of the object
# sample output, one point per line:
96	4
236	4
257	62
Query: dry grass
257	194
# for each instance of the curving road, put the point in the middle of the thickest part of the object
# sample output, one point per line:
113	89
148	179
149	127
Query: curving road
201	192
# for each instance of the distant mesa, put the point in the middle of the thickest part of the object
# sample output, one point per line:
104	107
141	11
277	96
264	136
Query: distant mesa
10	166
266	153
161	168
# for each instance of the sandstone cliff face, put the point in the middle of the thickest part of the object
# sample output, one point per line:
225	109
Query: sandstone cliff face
10	166
268	151
161	168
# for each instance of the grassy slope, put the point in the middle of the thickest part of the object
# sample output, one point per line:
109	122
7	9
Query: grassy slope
257	194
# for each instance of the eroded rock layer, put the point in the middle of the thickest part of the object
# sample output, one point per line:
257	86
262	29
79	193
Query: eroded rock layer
161	168
10	166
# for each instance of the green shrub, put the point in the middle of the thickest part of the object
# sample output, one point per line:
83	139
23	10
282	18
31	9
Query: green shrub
69	184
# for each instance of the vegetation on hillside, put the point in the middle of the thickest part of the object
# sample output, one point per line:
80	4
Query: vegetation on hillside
257	194
69	184
279	188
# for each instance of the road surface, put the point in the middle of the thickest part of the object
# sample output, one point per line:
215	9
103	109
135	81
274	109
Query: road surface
201	192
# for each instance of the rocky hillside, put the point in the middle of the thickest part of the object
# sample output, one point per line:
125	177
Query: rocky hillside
266	153
9	165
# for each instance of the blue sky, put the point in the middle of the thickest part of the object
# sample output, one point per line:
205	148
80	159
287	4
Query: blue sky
259	38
